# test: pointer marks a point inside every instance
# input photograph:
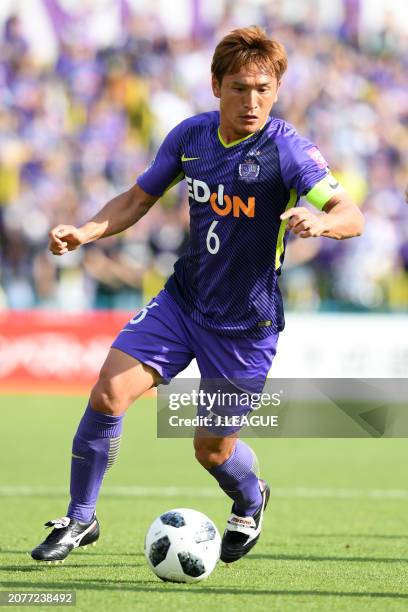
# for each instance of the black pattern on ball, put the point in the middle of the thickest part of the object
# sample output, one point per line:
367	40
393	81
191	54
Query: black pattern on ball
207	532
158	550
192	565
175	519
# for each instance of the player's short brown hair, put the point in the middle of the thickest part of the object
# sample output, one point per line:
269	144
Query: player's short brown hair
248	46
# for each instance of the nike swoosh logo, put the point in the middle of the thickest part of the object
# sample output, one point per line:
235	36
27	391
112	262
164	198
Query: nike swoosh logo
77	457
184	158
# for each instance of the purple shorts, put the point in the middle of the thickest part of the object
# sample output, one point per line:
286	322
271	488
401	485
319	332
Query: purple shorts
164	337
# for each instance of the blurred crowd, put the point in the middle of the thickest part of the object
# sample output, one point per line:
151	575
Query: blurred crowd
74	134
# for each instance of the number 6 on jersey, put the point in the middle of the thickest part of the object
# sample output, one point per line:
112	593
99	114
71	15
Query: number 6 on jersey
213	241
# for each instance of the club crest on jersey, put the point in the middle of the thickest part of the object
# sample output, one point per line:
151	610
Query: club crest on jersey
249	170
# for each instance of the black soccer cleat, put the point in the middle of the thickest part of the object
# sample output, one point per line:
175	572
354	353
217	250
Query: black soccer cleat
242	532
68	533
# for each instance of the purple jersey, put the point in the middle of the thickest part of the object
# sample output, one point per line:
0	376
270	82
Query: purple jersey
227	281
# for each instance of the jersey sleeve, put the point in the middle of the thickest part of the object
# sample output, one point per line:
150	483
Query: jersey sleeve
304	169
166	169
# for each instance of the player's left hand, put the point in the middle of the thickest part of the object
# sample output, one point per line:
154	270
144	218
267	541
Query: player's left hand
304	222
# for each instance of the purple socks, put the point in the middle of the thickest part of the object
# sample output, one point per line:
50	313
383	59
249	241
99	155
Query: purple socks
238	478
94	450
96	446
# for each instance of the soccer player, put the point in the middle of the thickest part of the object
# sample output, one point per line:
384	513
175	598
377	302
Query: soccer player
245	172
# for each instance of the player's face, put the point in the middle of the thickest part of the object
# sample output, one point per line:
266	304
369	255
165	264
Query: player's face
246	99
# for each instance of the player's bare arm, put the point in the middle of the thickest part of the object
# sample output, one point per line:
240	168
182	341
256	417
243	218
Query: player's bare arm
341	219
118	214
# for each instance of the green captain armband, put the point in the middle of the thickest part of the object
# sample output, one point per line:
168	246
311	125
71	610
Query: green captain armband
325	189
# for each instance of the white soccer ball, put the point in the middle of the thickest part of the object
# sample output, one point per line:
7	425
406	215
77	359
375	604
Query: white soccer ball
182	545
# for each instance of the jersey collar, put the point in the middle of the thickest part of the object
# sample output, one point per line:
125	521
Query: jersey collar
235	142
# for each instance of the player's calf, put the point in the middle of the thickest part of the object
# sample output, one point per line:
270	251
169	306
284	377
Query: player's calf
237	475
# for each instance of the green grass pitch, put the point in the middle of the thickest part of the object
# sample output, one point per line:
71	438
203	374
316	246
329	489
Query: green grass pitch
335	534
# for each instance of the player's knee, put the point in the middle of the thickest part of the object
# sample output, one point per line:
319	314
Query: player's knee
211	454
108	397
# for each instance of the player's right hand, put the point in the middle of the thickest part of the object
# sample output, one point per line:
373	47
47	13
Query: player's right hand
64	238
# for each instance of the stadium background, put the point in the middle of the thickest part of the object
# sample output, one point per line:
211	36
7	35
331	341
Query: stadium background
87	91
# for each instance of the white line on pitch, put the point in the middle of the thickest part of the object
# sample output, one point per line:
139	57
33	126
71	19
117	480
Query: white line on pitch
140	491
